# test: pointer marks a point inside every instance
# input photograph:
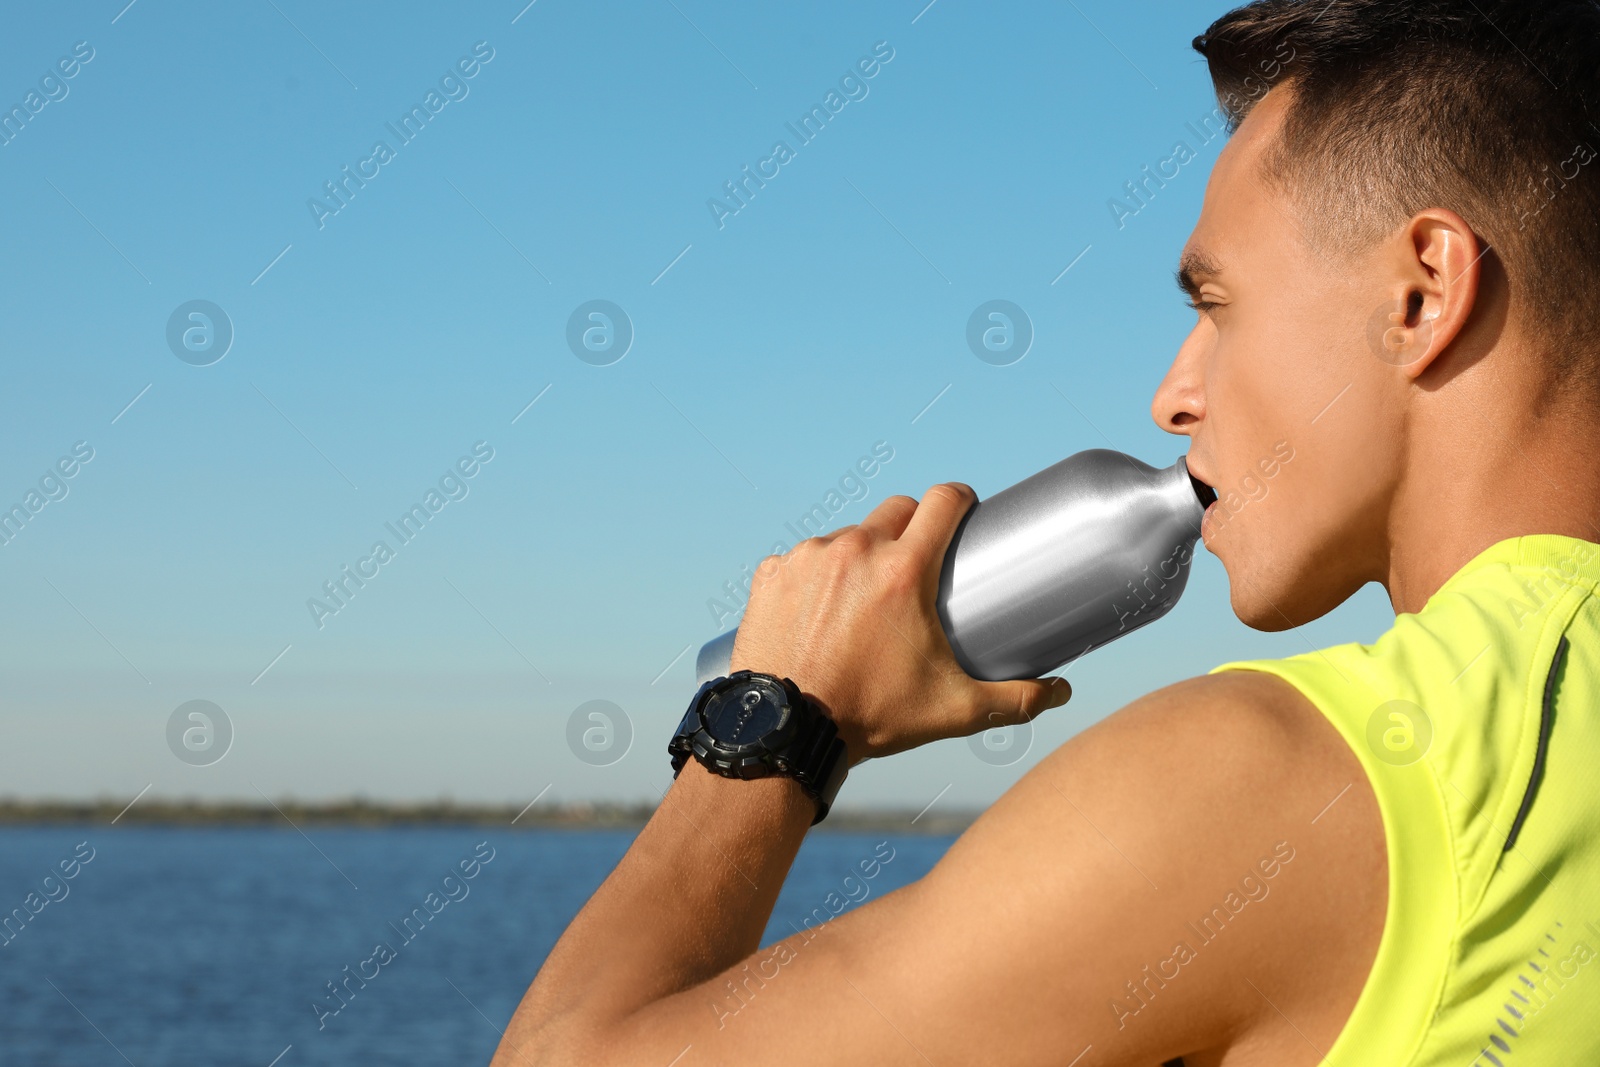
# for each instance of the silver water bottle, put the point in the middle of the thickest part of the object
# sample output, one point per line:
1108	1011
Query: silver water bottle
1060	563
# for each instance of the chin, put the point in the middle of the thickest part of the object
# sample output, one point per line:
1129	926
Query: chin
1273	594
1253	602
1260	613
1253	607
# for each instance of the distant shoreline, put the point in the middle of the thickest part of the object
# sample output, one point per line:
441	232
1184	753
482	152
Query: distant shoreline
364	814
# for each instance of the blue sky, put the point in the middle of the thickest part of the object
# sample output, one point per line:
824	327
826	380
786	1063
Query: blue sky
375	346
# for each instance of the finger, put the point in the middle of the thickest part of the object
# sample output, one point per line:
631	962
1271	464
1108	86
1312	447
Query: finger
936	518
890	517
1011	703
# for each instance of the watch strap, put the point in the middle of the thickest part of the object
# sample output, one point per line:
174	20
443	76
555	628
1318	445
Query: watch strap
678	746
816	759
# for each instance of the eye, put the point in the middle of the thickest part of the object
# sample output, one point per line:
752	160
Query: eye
1204	307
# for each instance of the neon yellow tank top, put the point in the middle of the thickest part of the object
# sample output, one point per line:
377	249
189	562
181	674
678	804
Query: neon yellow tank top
1477	720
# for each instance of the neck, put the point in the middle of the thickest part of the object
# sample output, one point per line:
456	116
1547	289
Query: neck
1500	459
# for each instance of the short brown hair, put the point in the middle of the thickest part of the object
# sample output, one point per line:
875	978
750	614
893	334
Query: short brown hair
1490	108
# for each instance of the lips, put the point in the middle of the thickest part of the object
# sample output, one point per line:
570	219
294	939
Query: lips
1202	486
1206	495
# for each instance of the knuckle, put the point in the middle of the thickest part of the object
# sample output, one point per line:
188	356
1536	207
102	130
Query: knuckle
852	542
812	556
802	551
768	568
1030	705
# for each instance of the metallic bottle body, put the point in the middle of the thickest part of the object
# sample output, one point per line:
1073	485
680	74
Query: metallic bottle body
1059	564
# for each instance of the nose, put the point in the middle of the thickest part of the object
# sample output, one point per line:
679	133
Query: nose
1180	404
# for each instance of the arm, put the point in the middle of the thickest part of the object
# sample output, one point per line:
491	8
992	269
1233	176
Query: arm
1019	947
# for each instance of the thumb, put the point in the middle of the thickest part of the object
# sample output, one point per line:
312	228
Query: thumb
1010	703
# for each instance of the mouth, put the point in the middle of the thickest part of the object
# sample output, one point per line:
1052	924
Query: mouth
1208	500
1202	488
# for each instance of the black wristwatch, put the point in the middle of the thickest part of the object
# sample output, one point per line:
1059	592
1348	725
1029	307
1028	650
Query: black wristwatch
752	725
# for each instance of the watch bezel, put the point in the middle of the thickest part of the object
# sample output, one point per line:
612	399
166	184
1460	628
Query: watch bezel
757	758
805	746
770	688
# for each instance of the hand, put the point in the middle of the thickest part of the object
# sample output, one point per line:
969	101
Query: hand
850	617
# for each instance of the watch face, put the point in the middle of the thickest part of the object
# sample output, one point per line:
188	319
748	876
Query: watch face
746	713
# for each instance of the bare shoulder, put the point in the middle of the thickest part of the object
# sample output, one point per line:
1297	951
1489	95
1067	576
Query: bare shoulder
1226	854
1200	875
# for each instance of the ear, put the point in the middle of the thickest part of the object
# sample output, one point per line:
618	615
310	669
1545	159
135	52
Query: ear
1435	290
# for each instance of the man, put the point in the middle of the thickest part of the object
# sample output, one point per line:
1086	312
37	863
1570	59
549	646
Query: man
1382	854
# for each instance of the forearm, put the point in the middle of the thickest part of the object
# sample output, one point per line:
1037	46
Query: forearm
690	898
851	619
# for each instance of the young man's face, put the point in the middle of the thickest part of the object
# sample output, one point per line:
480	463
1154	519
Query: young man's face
1291	415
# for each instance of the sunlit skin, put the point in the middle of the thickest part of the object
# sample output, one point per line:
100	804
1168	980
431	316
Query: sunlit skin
1016	947
1425	457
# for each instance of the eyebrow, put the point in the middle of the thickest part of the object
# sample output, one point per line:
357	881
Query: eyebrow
1193	266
